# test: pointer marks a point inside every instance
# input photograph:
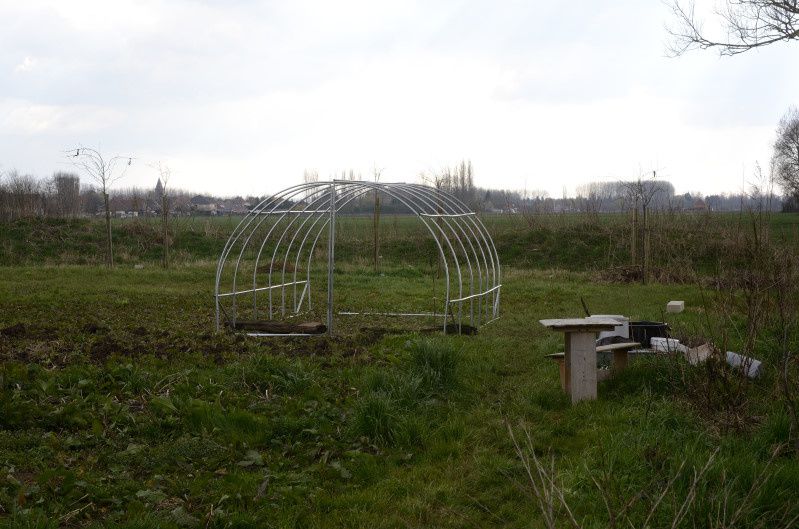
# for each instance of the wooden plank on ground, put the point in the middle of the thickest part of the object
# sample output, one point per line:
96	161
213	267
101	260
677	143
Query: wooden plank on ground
281	327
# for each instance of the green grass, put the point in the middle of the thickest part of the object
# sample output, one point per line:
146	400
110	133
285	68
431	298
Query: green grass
119	407
683	242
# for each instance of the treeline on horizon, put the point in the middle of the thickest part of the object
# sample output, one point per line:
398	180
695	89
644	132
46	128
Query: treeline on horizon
64	195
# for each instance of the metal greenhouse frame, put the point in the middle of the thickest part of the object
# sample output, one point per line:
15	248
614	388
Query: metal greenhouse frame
265	267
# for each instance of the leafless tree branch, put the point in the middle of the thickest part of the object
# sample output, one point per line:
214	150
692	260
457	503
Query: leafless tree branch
786	153
748	24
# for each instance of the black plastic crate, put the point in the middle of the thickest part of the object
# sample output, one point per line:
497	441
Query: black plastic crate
643	331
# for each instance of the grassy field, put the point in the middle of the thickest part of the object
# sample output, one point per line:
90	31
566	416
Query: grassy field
120	408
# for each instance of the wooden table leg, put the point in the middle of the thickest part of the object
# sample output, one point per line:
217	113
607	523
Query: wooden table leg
620	359
581	365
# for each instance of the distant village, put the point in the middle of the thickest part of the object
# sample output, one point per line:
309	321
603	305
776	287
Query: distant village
63	195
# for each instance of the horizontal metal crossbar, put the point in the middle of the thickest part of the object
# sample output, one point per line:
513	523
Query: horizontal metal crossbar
260	289
296	211
263	334
465	298
448	215
409	314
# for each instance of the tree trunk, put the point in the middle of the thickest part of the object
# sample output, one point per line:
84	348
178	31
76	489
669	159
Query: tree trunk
376	229
165	226
645	260
109	250
634	237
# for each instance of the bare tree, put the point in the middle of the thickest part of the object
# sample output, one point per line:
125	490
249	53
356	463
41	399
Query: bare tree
165	173
458	181
91	201
786	153
5	201
592	197
66	191
310	176
104	172
24	196
136	200
640	194
748	24
531	205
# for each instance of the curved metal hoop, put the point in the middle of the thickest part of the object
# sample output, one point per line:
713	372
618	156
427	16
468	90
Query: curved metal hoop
286	228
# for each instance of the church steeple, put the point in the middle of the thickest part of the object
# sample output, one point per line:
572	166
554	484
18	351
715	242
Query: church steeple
159	189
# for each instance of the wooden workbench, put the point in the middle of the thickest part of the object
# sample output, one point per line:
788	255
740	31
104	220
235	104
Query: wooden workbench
580	337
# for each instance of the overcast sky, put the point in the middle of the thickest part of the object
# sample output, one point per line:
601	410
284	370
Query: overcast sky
241	96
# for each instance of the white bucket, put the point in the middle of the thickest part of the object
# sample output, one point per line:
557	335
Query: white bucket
623	329
667	345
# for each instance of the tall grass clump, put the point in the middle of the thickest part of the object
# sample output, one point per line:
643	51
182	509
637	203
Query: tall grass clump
391	408
389	411
406	390
687	493
377	418
436	362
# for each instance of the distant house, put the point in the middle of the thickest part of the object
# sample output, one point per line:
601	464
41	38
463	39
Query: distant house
699	205
205	209
201	200
203	205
